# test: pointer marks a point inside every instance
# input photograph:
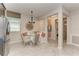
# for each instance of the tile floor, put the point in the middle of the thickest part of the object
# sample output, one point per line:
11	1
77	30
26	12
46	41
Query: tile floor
42	50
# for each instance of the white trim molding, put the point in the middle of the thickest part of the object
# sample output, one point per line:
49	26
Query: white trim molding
75	44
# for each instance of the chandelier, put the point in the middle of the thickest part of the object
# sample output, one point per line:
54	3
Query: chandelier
32	18
31	21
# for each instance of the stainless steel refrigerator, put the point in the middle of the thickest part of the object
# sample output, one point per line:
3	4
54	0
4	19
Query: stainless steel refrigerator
4	36
4	32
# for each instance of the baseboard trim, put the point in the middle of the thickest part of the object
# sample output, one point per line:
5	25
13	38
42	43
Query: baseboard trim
75	44
75	34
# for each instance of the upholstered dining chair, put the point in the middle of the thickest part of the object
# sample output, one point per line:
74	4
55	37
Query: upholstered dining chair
28	38
25	38
42	38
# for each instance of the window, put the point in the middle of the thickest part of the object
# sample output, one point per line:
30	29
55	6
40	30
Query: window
14	24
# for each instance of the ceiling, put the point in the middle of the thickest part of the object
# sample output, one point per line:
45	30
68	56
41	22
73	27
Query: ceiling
39	9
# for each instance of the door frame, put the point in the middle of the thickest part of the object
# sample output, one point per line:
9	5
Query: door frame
47	25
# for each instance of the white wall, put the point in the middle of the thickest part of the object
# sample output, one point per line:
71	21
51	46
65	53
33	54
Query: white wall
75	27
75	22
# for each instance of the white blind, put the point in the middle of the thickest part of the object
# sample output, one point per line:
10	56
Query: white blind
14	24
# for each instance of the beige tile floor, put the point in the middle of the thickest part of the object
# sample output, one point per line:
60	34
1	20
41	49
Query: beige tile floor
42	50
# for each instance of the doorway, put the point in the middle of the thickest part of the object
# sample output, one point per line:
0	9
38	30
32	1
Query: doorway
51	29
